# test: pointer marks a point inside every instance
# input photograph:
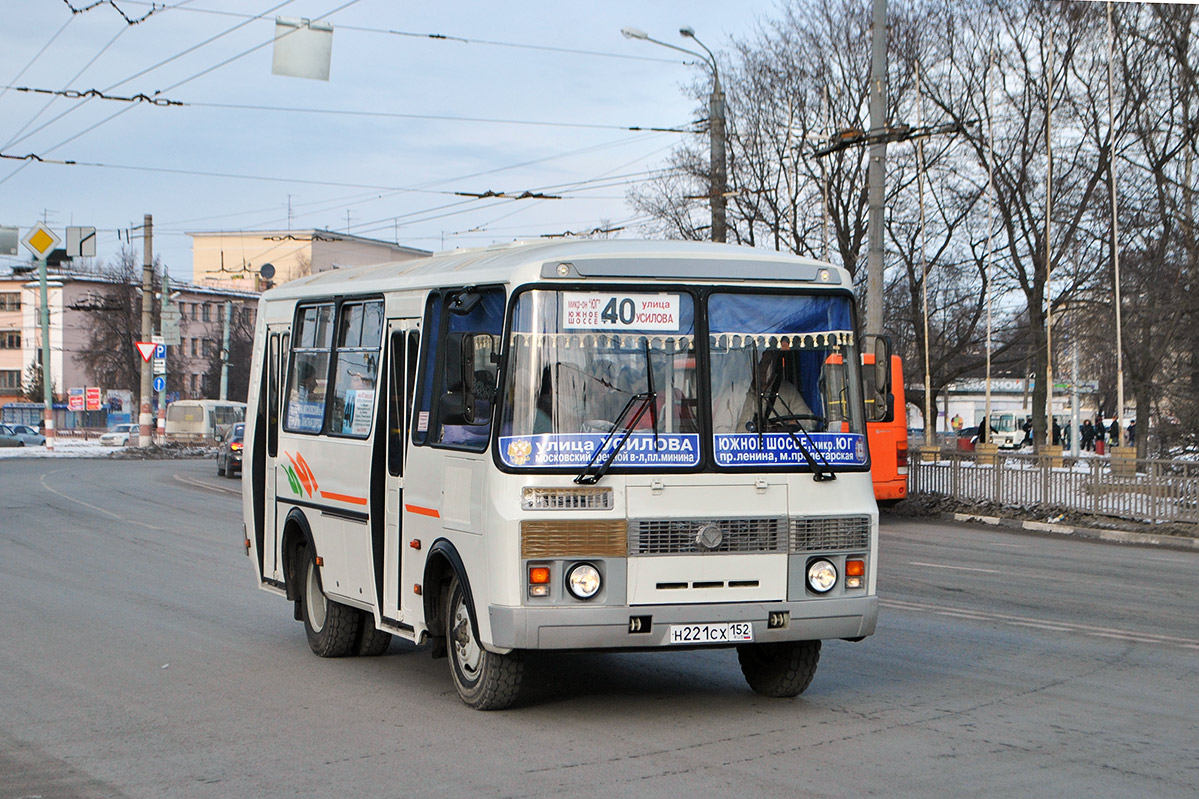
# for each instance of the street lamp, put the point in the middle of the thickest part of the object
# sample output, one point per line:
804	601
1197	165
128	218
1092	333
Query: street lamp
719	177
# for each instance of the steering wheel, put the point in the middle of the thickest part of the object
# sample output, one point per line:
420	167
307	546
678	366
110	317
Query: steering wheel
793	419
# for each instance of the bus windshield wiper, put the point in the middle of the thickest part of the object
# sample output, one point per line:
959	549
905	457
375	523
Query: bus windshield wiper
818	474
766	397
638	403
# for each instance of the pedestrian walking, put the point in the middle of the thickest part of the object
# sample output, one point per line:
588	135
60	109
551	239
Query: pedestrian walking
1113	433
1132	433
1088	435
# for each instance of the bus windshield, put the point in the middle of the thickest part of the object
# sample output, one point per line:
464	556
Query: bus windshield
575	360
783	387
784	380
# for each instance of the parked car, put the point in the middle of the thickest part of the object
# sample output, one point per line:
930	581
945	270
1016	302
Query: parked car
119	436
8	438
29	436
228	457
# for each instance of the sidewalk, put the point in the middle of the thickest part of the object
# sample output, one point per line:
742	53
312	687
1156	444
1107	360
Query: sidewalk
78	448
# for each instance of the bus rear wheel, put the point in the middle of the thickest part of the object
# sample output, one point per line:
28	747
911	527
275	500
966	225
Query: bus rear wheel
484	680
779	670
372	641
331	627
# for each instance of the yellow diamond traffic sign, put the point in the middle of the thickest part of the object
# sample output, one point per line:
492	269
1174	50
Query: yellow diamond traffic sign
41	240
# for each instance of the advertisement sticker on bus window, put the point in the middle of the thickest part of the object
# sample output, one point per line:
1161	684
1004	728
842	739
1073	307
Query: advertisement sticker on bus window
620	311
356	416
641	451
783	449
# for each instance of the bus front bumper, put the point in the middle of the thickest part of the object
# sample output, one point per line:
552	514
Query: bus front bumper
648	626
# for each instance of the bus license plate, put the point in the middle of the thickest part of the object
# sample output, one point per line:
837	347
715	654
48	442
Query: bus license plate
733	632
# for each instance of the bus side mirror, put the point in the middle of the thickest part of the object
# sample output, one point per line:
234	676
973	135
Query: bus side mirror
876	362
470	379
479	376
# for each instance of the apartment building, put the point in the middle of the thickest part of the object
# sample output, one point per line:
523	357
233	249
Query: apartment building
80	303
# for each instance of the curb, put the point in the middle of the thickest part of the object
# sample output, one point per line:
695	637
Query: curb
1110	536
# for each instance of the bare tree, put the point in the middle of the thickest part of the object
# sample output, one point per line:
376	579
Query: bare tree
113	318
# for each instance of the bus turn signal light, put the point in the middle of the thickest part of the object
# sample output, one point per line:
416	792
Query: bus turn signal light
539	575
855	571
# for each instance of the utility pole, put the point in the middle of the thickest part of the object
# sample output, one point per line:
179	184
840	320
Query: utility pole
47	387
876	172
225	352
716	145
144	419
162	395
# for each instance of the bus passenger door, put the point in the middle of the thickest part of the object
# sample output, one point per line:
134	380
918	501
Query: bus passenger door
276	360
403	344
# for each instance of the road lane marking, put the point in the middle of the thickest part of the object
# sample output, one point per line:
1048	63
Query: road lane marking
955	568
198	484
105	511
1044	624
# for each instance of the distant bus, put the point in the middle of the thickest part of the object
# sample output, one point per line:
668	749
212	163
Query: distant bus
202	420
1007	430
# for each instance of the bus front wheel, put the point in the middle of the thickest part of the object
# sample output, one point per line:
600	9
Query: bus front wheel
331	627
484	680
779	670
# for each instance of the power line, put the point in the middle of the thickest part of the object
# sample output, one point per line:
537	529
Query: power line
130	21
179	83
460	39
88	94
39	53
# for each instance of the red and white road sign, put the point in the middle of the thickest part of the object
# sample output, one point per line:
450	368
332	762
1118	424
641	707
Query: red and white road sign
146	348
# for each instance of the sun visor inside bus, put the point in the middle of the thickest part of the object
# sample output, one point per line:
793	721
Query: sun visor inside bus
674	268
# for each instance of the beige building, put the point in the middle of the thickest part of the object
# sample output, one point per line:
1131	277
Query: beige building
234	259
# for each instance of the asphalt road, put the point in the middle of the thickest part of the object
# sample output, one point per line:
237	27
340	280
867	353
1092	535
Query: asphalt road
138	659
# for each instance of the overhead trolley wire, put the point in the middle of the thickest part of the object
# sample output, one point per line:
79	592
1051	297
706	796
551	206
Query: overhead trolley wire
185	80
460	39
39	53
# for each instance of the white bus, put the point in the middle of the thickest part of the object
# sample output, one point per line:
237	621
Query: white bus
595	445
201	420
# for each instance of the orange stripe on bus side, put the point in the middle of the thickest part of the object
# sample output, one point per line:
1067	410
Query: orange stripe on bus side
344	498
417	509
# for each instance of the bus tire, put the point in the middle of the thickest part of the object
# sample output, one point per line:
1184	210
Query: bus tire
331	627
779	670
484	680
372	641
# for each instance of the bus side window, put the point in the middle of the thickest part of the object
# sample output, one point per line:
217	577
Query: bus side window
466	375
355	369
308	377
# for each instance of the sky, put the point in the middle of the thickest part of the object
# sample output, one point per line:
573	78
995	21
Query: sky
378	150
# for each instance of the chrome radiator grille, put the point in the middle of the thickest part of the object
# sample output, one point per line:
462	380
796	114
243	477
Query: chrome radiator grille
677	536
825	533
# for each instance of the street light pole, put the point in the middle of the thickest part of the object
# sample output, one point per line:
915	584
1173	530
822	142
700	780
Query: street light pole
718	180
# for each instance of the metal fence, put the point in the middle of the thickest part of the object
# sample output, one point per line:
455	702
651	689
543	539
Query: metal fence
1157	491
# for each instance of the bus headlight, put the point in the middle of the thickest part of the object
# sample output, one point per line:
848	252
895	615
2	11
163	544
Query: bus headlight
583	581
822	576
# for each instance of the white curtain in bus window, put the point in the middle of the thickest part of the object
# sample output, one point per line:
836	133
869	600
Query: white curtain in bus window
309	376
359	333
